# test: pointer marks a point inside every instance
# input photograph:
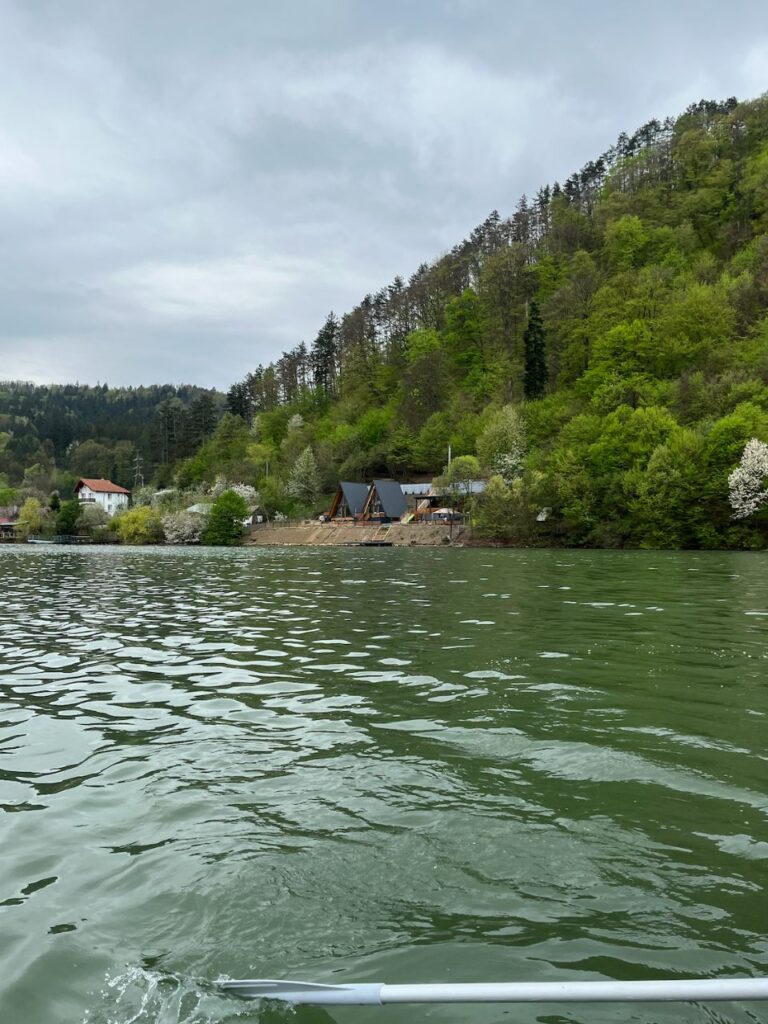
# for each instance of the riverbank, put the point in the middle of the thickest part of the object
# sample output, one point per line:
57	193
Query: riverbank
400	535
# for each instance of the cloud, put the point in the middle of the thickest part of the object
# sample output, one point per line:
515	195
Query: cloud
187	189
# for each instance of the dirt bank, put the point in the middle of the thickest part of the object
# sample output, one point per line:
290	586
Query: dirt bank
346	534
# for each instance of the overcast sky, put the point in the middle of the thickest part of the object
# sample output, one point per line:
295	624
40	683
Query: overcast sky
187	187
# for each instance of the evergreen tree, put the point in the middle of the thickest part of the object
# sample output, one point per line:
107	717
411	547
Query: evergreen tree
535	379
324	355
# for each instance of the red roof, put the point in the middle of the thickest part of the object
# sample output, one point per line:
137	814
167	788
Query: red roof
103	486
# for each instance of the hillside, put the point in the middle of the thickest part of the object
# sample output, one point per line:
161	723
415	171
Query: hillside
49	434
601	353
645	379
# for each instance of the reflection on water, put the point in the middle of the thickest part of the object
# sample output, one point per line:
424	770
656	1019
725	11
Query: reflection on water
377	765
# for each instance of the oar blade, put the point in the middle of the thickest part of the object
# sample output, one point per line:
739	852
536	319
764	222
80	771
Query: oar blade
305	992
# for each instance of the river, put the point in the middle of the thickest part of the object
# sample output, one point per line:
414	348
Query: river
378	765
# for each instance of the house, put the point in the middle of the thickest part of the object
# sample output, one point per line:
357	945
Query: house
349	501
111	497
385	502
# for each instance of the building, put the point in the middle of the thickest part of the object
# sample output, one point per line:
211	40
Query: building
349	501
111	497
385	502
7	528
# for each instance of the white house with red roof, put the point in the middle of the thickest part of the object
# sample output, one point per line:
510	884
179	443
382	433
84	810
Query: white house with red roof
112	497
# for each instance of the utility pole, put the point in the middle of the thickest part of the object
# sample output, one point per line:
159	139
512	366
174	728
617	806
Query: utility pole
138	471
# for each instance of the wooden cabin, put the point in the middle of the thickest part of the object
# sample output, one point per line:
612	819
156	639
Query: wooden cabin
349	501
385	502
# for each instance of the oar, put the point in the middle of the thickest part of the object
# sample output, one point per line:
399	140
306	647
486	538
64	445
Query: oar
377	994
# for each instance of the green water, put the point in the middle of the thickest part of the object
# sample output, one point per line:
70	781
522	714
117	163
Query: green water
378	765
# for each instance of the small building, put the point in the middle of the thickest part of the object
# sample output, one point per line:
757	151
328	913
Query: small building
7	528
385	502
111	497
349	501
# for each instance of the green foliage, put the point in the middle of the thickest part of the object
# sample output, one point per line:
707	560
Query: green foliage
138	526
502	445
68	516
493	516
603	353
225	521
31	518
536	373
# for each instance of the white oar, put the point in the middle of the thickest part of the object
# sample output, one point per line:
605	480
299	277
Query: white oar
694	990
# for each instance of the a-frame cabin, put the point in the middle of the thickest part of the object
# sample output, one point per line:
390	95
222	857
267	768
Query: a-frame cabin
349	501
386	502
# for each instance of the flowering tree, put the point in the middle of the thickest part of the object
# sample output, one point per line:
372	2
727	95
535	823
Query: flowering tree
182	527
249	494
747	483
304	482
502	445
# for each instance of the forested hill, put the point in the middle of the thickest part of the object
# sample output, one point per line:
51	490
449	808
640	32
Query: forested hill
604	350
49	433
601	354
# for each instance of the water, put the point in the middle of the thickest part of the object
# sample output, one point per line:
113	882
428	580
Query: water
374	765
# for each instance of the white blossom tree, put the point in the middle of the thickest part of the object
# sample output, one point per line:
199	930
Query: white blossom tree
296	422
304	483
182	527
248	493
747	483
502	445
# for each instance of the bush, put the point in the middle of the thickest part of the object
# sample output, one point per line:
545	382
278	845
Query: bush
225	522
138	526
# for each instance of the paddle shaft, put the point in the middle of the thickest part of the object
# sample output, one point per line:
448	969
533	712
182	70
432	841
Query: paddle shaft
373	994
704	990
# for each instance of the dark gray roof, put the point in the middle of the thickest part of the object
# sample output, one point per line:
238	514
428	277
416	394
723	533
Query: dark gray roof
391	496
354	496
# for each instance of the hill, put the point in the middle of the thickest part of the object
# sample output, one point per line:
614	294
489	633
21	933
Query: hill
603	350
52	433
601	354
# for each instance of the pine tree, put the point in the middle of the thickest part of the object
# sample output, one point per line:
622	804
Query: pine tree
536	374
324	355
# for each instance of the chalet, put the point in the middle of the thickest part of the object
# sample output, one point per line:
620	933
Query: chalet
349	501
111	497
385	502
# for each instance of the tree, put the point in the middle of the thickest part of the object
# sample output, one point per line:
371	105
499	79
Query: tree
54	502
182	527
501	446
458	478
68	516
31	518
304	482
324	357
493	511
536	374
138	526
93	519
225	521
748	483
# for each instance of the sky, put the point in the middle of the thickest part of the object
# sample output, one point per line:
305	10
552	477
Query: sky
188	187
